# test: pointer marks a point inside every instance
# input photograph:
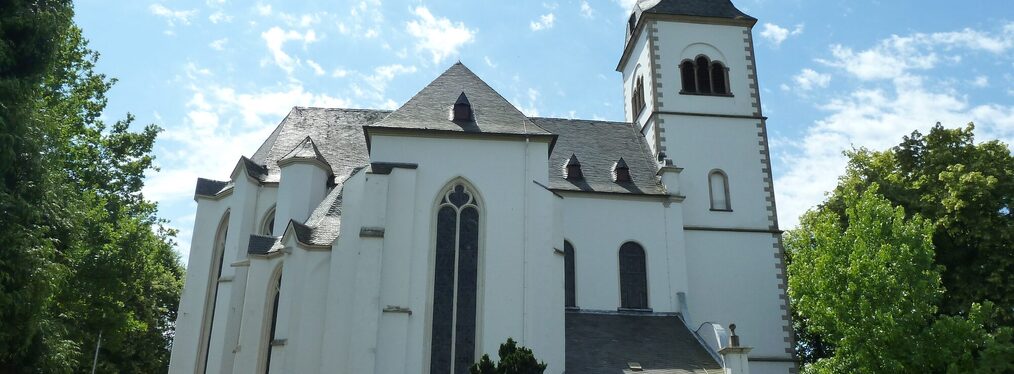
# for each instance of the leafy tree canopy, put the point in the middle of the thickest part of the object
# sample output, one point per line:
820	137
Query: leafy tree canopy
867	284
84	252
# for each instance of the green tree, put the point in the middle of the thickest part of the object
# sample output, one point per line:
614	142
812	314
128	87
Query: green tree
966	190
514	359
105	262
28	34
866	282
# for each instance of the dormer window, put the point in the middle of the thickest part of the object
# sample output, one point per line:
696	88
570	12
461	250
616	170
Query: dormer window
702	76
621	172
462	110
574	168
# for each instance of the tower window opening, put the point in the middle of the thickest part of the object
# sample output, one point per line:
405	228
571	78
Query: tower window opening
702	76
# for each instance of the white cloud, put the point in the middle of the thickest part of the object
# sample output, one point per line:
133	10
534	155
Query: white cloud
382	75
777	34
489	62
545	21
363	20
275	38
587	11
529	108
171	16
898	55
315	67
890	102
263	9
981	81
218	44
339	73
219	16
809	79
438	36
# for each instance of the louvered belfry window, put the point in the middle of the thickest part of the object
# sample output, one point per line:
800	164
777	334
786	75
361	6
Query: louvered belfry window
452	344
633	277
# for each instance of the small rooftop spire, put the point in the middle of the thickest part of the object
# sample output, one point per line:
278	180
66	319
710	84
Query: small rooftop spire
462	109
621	171
574	168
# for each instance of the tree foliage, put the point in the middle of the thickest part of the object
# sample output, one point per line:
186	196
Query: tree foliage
867	284
966	190
84	250
514	359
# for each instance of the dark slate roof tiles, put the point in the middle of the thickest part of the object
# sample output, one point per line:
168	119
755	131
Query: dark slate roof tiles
598	144
208	187
603	343
337	133
306	150
695	8
260	244
430	108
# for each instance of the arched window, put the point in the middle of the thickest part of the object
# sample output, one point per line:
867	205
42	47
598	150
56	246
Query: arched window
568	275
211	296
276	289
637	98
268	226
689	76
633	277
456	264
718	80
703	75
718	184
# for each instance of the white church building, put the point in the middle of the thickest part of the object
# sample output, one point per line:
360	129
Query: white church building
416	240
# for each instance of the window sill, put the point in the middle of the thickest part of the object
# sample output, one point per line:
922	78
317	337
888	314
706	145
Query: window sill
706	94
634	310
571	308
721	210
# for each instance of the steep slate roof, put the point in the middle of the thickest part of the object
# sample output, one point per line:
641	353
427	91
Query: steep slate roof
599	145
208	187
430	108
695	8
337	133
604	343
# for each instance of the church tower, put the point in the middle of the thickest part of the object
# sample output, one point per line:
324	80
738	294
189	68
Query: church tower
690	86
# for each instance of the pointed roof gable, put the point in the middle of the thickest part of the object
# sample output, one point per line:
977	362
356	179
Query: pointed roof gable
429	109
305	151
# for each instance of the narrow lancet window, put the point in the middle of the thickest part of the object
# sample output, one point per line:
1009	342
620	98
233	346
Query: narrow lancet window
277	290
568	275
718	80
455	283
703	75
211	300
689	77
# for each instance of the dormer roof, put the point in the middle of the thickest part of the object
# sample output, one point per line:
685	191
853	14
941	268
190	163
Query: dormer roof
305	151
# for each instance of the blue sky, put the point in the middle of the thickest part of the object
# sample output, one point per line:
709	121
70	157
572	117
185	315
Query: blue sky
218	75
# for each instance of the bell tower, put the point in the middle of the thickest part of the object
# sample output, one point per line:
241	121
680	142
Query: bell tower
690	86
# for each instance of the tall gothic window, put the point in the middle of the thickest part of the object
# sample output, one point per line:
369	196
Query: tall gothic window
269	223
276	289
568	275
456	262
211	299
633	277
718	184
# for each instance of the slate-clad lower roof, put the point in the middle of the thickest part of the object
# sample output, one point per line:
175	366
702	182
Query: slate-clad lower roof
208	187
696	8
604	343
600	145
337	134
430	108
